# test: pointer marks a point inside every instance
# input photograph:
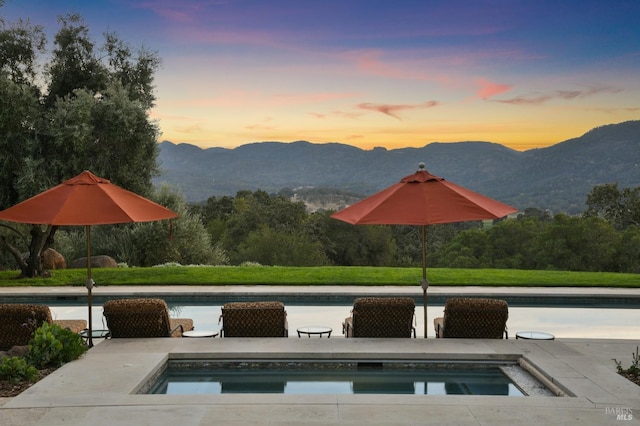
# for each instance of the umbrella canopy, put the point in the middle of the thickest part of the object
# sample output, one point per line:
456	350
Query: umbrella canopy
423	199
86	200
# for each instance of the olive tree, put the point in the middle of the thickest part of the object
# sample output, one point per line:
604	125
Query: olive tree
86	110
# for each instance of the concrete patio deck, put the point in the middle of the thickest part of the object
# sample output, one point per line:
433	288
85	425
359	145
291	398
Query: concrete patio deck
100	388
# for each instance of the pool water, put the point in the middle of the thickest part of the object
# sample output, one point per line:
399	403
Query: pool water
333	378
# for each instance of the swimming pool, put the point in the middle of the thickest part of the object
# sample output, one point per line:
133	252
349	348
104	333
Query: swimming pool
187	377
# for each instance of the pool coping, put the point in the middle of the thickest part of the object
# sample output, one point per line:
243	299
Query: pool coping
330	294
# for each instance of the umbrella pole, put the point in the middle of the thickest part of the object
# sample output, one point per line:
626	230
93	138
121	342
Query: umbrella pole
89	285
424	283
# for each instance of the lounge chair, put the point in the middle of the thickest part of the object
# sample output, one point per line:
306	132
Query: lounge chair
473	318
128	318
19	321
381	317
254	319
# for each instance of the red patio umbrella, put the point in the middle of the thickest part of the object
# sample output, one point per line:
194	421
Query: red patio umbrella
423	199
86	200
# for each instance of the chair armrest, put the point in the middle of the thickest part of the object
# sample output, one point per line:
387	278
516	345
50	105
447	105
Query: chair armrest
438	325
221	328
347	327
177	331
179	326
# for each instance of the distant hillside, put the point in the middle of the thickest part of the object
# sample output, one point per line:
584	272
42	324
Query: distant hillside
556	178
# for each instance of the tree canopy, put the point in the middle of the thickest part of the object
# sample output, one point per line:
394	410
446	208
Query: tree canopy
86	108
619	207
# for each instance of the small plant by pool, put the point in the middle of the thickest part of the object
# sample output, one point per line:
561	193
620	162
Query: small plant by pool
633	372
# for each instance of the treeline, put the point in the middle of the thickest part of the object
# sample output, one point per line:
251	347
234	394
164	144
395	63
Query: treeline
272	230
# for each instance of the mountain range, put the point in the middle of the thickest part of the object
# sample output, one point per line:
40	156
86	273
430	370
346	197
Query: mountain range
556	178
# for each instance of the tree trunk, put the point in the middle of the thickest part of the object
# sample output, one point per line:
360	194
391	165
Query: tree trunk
33	266
15	253
40	240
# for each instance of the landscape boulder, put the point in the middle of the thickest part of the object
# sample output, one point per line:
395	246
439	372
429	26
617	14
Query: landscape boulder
20	351
51	259
100	261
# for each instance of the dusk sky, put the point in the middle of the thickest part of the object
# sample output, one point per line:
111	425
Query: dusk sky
373	73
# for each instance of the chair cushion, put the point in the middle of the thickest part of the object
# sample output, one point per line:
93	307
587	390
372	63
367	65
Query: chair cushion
74	325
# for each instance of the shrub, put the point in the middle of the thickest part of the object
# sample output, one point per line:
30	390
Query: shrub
15	369
53	346
634	369
268	246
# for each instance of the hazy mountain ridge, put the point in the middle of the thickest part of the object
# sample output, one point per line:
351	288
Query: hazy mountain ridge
557	177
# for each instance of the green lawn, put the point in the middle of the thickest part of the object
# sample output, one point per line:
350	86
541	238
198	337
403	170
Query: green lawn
334	275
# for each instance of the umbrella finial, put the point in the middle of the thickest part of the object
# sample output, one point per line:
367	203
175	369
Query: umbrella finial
421	165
